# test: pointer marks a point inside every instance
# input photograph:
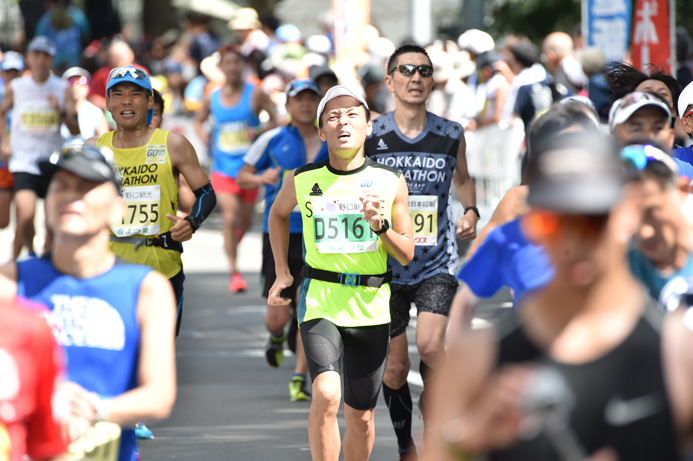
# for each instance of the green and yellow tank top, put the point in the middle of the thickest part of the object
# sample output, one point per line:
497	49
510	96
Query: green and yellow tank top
150	191
336	239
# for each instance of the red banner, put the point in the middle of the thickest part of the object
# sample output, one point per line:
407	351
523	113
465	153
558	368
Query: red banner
652	34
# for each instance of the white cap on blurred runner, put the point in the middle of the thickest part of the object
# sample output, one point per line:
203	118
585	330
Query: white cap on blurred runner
337	91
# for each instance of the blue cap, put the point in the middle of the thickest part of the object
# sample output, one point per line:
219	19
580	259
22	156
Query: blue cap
42	43
134	75
296	86
12	60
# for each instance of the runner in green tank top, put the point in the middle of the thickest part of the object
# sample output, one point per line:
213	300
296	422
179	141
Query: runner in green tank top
355	212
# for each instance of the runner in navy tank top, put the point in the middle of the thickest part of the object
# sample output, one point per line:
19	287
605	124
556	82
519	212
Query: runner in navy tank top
430	151
115	321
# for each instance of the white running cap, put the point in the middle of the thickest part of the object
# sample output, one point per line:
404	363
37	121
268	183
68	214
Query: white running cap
337	91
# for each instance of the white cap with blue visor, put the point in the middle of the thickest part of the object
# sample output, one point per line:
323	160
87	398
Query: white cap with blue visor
134	75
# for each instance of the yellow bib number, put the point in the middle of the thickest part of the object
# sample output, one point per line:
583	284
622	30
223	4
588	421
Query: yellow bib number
423	210
100	443
233	136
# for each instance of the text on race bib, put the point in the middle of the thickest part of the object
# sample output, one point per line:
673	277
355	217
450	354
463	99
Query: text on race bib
339	228
142	212
423	210
233	136
38	117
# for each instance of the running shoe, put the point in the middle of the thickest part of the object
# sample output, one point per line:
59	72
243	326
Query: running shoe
297	389
143	432
236	283
274	351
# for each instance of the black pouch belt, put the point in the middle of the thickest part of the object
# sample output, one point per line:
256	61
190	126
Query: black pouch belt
162	241
345	278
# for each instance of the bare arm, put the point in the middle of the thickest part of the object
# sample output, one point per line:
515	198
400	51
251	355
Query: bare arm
278	223
155	394
398	240
461	313
464	185
103	125
512	205
248	177
200	118
70	109
8	282
6	105
261	101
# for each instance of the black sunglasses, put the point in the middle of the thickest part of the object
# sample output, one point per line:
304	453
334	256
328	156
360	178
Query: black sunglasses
408	69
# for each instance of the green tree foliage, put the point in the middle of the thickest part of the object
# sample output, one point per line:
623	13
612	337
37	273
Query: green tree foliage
533	18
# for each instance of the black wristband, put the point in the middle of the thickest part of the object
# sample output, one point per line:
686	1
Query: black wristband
385	225
474	209
194	222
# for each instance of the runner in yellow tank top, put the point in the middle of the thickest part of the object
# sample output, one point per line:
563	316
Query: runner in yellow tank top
149	161
344	300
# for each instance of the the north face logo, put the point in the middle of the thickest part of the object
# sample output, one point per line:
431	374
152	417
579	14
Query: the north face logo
381	145
316	190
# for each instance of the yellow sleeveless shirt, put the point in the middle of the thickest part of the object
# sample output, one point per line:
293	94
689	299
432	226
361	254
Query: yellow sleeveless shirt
150	191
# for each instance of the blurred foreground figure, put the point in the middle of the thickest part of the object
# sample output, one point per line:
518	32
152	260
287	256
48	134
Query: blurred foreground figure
589	366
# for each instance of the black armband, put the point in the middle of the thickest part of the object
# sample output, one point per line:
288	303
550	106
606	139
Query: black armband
205	201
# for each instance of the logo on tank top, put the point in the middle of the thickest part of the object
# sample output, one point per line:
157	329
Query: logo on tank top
316	190
83	321
381	145
156	153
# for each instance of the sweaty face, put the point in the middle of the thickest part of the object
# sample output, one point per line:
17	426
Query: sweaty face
659	226
303	107
129	104
232	66
657	87
647	123
413	89
344	125
77	207
40	63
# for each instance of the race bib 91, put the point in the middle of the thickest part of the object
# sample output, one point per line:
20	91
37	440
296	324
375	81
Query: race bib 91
423	210
142	212
339	227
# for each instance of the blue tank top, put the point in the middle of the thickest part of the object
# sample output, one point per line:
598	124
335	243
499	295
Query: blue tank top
95	321
283	147
230	135
428	164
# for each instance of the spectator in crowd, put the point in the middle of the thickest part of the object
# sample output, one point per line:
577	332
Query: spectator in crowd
91	119
69	28
203	42
557	55
119	54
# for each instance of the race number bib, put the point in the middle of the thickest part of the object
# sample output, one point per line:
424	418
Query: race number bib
39	117
339	228
142	212
233	136
101	442
423	210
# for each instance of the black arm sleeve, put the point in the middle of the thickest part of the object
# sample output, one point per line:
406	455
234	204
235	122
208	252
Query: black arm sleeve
205	201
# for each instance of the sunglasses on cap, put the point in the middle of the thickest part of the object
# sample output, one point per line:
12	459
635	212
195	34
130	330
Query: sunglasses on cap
137	74
82	80
87	151
690	111
549	225
639	155
409	69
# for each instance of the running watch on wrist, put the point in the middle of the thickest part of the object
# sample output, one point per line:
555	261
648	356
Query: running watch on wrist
384	226
474	209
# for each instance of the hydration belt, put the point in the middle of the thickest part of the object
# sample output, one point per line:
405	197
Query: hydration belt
162	241
345	278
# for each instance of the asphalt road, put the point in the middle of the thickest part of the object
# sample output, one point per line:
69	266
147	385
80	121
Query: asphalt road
231	405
